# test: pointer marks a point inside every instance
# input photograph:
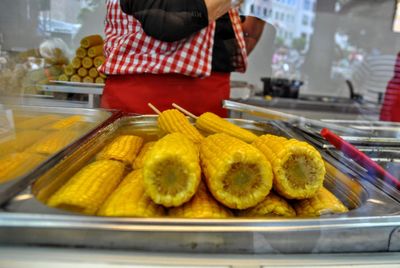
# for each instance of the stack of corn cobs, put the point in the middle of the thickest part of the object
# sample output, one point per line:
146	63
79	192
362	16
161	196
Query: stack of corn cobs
229	173
35	140
83	68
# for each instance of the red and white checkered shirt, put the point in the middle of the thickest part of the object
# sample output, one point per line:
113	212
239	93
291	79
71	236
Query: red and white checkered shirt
130	51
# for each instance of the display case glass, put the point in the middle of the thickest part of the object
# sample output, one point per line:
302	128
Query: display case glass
319	64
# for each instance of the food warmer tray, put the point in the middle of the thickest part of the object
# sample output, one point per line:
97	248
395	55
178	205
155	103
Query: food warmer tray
371	225
385	151
95	119
379	140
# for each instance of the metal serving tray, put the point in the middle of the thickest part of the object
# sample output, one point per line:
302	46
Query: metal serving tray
371	225
93	119
376	128
384	151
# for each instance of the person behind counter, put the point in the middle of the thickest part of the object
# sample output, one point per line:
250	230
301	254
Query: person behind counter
165	51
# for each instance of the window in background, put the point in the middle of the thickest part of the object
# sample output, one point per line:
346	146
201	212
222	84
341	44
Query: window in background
396	23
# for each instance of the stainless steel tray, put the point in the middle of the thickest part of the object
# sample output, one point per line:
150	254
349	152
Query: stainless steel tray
385	152
376	128
371	225
95	119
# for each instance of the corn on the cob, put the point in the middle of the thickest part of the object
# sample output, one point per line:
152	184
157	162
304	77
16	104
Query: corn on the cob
299	169
82	72
87	62
202	205
65	123
63	77
102	75
324	202
131	200
173	120
76	63
69	70
37	122
17	164
22	140
98	61
86	191
171	170
212	123
95	51
124	148
99	80
81	52
139	160
237	174
92	40
272	205
87	79
76	78
53	142
93	73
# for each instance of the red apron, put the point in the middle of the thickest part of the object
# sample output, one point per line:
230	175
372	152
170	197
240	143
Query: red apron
390	110
131	93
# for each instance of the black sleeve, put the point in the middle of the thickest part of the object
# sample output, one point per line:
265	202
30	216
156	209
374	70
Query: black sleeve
168	20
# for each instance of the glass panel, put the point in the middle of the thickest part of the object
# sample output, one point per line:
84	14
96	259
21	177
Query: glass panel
38	39
334	60
329	52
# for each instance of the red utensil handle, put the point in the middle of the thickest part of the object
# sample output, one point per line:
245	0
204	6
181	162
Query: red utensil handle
358	156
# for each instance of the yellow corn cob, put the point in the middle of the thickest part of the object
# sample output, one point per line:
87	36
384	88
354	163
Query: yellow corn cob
95	51
272	205
212	123
173	120
131	200
82	72
54	142
63	77
87	79
76	78
76	63
65	122
37	122
299	170
69	70
324	202
86	191
17	164
81	52
124	148
93	73
99	80
98	61
202	205
21	141
92	40
171	170
102	75
139	160
87	62
237	174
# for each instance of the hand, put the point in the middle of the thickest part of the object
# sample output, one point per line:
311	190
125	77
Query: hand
236	3
217	8
252	30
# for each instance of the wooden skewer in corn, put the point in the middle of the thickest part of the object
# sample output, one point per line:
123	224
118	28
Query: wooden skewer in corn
184	111
212	123
154	108
172	120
